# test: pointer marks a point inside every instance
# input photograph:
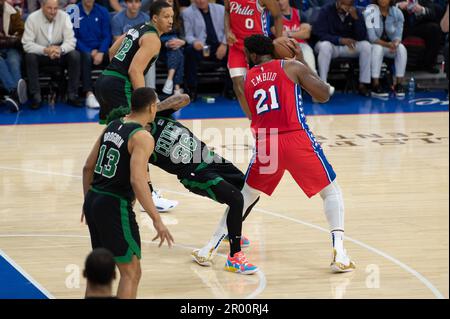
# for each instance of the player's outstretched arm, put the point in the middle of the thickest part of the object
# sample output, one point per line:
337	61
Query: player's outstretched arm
174	102
299	72
275	13
149	47
141	146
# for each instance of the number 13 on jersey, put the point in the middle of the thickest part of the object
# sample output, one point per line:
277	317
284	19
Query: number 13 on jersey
263	105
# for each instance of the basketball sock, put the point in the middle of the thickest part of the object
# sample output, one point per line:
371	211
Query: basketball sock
334	211
218	236
251	197
337	238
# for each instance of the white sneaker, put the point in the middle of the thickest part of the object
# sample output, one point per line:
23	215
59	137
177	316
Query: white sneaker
341	262
162	204
205	261
91	102
168	87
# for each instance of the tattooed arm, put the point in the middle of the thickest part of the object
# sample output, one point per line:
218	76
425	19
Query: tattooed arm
174	102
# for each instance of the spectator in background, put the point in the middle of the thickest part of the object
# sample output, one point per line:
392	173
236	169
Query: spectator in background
172	52
100	272
93	40
341	30
11	30
34	5
294	28
384	23
126	19
205	35
421	20
444	28
49	40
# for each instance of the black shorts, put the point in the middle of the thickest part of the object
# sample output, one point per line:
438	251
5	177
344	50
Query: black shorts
112	225
202	181
112	91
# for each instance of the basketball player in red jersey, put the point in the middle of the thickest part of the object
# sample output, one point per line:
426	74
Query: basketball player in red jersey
284	141
242	19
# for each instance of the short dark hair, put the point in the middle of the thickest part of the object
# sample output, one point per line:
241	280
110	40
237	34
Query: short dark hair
141	98
157	6
100	267
259	44
391	2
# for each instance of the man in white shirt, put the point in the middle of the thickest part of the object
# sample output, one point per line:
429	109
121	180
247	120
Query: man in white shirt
49	40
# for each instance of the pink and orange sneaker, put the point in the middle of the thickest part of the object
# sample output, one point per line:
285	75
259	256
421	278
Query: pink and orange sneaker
239	264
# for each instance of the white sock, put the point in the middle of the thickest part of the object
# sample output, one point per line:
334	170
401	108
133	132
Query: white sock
250	196
218	236
334	211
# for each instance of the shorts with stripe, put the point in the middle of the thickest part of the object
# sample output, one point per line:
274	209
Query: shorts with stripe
204	180
296	152
112	224
112	90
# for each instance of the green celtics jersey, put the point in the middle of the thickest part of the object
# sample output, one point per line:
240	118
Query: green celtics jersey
130	45
177	150
112	170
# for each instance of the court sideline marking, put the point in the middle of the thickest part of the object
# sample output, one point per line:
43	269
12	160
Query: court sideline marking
405	267
256	292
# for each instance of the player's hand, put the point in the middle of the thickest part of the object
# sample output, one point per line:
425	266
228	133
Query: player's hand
231	38
162	233
293	45
348	42
221	51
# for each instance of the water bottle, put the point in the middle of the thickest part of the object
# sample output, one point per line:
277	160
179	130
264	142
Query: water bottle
412	85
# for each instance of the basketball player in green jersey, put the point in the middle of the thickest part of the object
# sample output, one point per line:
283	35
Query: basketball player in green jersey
132	55
113	177
179	152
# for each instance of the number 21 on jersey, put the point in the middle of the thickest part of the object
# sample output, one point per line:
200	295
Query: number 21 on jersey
264	105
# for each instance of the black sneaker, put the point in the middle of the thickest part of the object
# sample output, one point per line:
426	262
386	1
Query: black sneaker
399	90
36	103
378	91
12	103
363	90
75	101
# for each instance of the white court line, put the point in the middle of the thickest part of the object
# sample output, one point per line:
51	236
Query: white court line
26	275
256	292
405	267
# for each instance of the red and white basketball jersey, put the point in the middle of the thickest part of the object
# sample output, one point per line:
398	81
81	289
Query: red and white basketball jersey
274	100
247	17
292	24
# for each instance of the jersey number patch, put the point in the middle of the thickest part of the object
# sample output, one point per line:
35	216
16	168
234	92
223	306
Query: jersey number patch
124	48
109	169
261	97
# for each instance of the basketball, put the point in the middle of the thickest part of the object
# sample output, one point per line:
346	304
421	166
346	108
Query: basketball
282	49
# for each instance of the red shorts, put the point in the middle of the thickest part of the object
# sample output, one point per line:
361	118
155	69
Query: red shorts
299	154
236	57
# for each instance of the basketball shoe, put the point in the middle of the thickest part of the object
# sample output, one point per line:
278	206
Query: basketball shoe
245	242
239	264
341	262
205	261
162	204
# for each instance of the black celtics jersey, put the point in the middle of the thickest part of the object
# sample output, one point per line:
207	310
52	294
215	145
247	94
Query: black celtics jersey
130	45
177	150
112	170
